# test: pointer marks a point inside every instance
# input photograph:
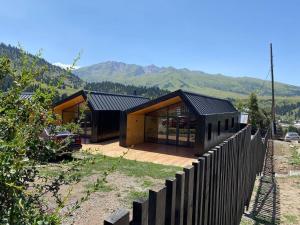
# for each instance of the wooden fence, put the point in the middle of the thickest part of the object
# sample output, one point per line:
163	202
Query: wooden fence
213	191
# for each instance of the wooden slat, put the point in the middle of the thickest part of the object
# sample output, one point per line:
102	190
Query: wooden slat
170	201
120	217
201	189
140	212
206	188
188	195
157	205
180	183
196	193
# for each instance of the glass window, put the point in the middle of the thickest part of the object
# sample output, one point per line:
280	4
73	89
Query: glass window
232	122
193	128
219	128
226	124
173	124
209	130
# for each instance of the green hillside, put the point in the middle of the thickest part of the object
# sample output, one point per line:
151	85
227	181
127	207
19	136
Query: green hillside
170	78
52	74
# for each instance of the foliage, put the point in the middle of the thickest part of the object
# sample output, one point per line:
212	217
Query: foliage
22	147
259	118
295	158
105	86
50	74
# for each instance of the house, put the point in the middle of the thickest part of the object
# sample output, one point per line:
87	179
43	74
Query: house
101	112
180	118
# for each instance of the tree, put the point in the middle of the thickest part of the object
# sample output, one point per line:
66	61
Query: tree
259	118
254	114
22	148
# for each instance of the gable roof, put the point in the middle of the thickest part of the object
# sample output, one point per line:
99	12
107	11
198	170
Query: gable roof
107	101
201	104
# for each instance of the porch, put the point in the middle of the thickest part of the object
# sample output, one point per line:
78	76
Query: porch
146	152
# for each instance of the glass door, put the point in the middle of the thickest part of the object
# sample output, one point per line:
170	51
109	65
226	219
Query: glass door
183	131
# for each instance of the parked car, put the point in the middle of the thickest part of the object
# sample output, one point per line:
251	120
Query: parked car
292	136
72	141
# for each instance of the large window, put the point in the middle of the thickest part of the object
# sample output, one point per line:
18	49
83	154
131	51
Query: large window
174	125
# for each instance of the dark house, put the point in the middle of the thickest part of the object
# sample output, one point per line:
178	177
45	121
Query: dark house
180	118
101	112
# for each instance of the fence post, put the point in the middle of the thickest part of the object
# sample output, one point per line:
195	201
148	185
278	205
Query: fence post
206	188
188	195
170	201
157	206
201	189
119	217
140	212
180	181
196	193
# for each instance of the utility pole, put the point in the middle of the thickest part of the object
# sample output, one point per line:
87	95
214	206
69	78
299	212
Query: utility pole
273	95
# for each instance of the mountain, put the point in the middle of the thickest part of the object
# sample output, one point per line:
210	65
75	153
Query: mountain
171	78
51	75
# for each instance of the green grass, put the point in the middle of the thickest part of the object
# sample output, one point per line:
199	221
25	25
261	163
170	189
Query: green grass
99	185
135	195
100	164
290	219
295	159
147	183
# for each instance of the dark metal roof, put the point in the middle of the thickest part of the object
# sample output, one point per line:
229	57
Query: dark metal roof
200	104
107	101
206	105
26	95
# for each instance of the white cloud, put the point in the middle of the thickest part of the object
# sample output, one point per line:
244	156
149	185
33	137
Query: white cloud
65	66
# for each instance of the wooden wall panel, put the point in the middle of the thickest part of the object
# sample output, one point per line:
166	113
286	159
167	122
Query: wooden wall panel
135	129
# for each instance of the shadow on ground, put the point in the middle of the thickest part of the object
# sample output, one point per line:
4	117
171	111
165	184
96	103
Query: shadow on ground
266	207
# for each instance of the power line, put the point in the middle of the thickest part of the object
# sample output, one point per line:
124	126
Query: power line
259	90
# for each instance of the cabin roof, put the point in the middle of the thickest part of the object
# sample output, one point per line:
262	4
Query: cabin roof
102	101
201	104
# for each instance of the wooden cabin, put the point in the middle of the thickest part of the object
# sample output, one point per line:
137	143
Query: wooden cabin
101	120
180	118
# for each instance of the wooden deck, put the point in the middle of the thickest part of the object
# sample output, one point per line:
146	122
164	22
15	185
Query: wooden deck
146	152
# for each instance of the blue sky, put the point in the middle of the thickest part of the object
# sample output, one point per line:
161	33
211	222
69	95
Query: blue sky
228	37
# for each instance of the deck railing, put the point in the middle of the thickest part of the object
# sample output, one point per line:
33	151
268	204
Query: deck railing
213	191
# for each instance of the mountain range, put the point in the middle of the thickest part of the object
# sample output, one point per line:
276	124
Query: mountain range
165	78
170	78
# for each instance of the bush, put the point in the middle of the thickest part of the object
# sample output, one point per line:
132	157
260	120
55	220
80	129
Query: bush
22	148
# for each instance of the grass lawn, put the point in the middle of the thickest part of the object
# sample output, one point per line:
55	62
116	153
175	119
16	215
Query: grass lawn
95	164
125	181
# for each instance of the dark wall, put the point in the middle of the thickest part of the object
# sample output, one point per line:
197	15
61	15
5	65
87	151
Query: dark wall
123	129
224	134
106	125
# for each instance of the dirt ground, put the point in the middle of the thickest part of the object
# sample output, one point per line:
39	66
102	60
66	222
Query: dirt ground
283	197
282	157
120	192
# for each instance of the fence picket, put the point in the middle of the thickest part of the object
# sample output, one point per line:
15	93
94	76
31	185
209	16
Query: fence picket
157	205
180	178
140	212
188	195
170	201
119	217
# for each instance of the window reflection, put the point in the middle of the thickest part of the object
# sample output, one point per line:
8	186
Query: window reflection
174	124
